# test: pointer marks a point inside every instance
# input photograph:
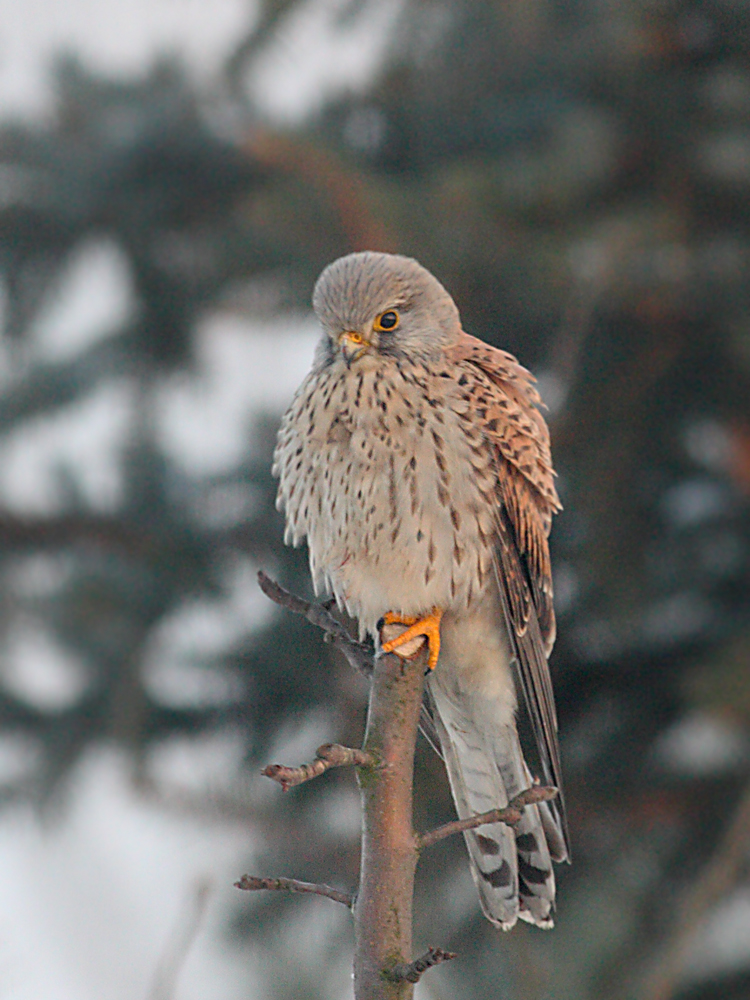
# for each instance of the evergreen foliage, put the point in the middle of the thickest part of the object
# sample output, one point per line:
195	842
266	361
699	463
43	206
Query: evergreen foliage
578	176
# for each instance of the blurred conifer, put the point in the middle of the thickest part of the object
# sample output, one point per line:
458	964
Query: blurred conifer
578	175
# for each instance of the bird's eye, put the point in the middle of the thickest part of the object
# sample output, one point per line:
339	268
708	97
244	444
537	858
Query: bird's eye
387	320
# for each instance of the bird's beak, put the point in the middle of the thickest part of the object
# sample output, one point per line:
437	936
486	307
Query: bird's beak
353	345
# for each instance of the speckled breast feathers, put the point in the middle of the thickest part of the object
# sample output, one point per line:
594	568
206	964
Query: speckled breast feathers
415	462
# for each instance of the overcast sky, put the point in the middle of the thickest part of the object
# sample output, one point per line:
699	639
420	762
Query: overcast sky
313	56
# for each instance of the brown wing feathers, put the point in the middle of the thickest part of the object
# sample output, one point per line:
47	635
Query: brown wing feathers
533	671
507	403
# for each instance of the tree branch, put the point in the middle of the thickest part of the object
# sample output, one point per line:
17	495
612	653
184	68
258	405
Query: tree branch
254	884
414	971
348	190
384	900
383	913
511	815
359	654
327	756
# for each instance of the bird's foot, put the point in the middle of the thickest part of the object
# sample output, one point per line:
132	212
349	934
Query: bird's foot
419	628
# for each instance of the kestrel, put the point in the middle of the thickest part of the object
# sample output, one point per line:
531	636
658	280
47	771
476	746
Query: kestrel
415	461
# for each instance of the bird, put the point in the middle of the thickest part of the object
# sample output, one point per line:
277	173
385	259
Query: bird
415	462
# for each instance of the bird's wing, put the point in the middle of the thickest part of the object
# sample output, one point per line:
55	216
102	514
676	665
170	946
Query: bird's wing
506	403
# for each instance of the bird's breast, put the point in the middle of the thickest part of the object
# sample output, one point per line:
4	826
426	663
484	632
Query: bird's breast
383	471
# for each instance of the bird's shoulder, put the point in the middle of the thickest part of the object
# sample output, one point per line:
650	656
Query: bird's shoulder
503	398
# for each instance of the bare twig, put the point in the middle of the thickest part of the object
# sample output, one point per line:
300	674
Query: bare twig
254	884
510	815
329	755
413	971
358	654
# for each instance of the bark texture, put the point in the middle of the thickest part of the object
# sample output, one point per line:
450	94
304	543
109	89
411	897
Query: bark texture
383	909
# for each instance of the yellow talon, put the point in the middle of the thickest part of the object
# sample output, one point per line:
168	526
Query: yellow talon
429	626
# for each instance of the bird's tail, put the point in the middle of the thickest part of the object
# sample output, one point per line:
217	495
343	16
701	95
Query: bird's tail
511	866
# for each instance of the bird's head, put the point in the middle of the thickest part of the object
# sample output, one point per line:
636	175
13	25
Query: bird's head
373	304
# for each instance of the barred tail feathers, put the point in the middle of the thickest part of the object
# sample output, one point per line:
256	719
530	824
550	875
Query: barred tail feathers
511	866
